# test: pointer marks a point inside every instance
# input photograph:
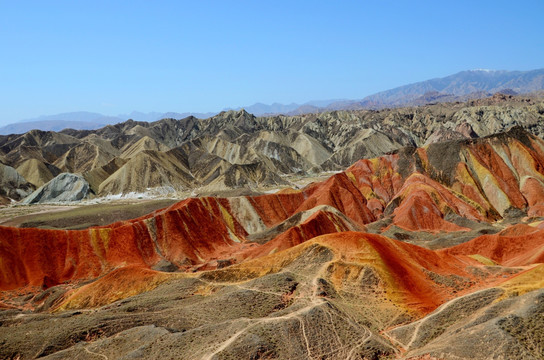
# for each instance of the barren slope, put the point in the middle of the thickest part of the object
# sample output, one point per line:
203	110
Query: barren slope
296	273
303	145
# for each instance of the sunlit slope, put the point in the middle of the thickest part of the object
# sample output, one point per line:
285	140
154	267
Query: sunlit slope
415	188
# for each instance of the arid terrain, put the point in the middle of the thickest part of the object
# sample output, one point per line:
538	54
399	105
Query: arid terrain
408	233
235	152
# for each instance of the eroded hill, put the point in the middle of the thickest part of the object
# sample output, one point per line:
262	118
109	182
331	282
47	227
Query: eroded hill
236	150
426	252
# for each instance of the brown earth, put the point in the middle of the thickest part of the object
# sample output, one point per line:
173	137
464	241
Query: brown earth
297	273
238	150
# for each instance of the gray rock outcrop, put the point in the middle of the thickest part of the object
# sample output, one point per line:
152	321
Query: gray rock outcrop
63	188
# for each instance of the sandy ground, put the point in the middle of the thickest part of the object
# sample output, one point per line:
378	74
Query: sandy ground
8	214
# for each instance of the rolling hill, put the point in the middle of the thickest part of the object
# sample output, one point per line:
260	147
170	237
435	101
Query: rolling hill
416	254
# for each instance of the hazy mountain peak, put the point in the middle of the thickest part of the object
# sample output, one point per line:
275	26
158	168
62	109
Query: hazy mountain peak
85	116
484	70
461	86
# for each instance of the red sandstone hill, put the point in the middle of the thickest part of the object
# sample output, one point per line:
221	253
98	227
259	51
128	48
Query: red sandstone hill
515	246
301	262
413	277
419	189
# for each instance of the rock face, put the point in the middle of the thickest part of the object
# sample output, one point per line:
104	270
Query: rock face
482	181
63	188
300	273
331	293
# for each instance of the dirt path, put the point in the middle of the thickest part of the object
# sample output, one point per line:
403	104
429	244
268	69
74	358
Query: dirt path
423	320
96	354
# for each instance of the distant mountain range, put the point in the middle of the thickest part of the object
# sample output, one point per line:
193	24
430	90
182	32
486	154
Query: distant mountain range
465	85
154	116
260	109
84	120
80	120
236	150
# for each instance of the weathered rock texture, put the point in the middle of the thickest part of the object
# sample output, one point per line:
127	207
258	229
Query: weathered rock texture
296	274
235	149
482	180
63	188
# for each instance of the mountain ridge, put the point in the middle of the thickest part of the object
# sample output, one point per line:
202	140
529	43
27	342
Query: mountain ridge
406	255
462	86
237	151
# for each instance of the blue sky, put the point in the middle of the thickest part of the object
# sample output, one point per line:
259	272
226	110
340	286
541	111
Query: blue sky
114	57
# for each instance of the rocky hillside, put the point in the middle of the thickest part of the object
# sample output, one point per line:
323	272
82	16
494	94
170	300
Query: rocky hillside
236	150
430	252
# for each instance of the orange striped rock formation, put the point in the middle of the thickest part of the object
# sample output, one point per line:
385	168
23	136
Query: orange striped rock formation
245	271
416	188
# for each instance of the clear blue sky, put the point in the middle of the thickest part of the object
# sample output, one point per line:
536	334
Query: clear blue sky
114	57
